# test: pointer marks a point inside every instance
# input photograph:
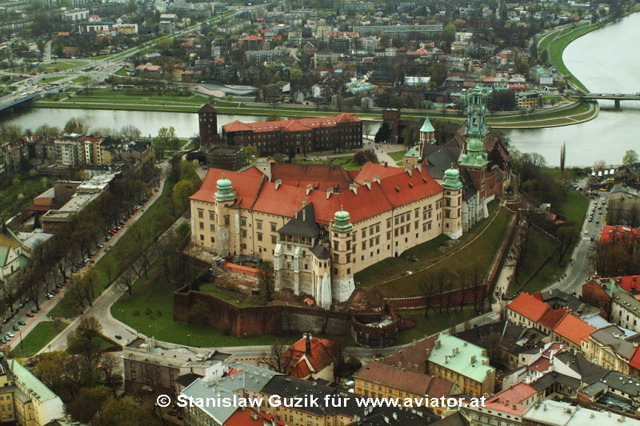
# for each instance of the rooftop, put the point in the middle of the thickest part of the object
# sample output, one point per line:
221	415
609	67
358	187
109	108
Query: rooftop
464	358
529	307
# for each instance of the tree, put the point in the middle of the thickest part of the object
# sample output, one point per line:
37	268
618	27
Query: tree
85	342
266	280
630	157
125	411
363	156
563	153
280	359
384	133
88	402
76	125
181	192
130	132
567	236
598	166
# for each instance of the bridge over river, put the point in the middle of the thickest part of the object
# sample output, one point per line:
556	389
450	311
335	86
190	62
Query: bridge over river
616	97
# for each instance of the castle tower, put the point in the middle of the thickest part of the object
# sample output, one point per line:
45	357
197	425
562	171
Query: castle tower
392	118
342	283
427	132
475	100
452	218
208	125
224	197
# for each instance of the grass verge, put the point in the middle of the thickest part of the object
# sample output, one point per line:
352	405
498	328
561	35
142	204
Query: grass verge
426	326
479	253
41	334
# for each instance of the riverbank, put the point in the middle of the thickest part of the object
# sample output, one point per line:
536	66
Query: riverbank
564	114
556	41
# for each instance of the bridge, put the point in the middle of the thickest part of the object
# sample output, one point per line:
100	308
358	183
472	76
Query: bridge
616	97
10	101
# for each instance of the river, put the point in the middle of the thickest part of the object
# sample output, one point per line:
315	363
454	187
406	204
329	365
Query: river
605	60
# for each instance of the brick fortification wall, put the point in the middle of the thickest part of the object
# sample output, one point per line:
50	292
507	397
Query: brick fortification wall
259	320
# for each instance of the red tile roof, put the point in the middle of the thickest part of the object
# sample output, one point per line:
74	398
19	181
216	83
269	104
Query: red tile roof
630	283
414	356
254	192
291	125
529	307
635	359
504	406
408	381
321	177
369	171
516	393
619	234
573	329
552	317
321	355
246	186
249	416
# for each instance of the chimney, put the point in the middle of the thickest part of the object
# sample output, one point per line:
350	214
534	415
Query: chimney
308	344
473	359
309	188
278	183
304	211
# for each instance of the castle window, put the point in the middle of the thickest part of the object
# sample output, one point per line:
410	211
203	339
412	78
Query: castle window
212	227
273	239
211	215
273	226
243	221
201	225
258	224
243	233
259	235
200	213
226	220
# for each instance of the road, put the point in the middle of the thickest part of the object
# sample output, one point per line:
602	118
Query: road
580	270
101	304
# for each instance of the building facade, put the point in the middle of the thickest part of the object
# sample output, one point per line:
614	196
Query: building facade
317	232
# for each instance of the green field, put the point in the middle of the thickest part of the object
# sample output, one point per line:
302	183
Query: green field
479	253
51	79
150	310
435	323
397	156
574	207
41	334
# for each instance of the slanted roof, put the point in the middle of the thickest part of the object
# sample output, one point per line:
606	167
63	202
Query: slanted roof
320	177
464	358
37	389
413	356
405	380
552	317
517	393
303	224
528	306
320	355
573	329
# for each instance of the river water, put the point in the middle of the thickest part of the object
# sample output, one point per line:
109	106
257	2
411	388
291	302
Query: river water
606	60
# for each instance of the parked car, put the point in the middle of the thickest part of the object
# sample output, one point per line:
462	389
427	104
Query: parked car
22	323
30	315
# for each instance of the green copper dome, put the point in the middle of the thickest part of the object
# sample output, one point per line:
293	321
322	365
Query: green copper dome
452	180
225	190
341	221
475	145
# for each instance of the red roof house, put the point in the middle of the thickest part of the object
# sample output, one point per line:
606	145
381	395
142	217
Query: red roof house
312	358
573	330
526	310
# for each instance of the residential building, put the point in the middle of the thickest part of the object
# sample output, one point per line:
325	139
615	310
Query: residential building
319	238
55	221
413	357
378	380
312	358
615	392
25	399
526	310
463	364
345	410
504	408
572	330
299	136
148	363
558	413
528	101
609	348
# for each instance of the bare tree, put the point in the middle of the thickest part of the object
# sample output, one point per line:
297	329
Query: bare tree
280	359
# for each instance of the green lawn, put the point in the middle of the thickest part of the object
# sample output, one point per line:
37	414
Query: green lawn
479	253
150	310
61	66
41	334
397	156
81	79
540	265
574	207
345	161
435	323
